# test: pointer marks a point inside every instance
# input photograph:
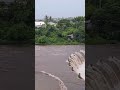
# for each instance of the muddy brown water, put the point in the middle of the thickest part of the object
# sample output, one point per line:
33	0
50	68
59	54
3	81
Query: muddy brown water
96	52
16	67
52	59
16	61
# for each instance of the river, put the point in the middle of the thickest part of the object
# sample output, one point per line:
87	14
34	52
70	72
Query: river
16	65
52	59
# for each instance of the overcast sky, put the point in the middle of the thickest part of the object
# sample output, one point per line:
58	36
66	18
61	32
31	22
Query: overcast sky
59	8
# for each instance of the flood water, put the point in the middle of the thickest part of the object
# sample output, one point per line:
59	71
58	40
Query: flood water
16	67
15	63
52	59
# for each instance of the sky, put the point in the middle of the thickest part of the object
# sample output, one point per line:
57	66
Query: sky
59	8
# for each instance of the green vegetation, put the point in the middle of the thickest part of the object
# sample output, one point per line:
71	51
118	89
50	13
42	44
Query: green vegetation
15	22
105	19
66	31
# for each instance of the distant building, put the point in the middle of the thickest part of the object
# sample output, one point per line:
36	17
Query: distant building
52	23
39	24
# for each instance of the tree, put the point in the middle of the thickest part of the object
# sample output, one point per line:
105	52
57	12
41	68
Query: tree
50	18
106	20
46	19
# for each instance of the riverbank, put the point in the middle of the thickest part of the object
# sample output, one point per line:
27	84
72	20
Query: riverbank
61	44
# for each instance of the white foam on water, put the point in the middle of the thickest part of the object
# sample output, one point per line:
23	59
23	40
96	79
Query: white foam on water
61	84
81	70
77	63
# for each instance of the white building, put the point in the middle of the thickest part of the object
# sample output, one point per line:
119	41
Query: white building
39	24
52	23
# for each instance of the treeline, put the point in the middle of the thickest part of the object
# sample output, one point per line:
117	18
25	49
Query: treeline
66	31
17	22
104	16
